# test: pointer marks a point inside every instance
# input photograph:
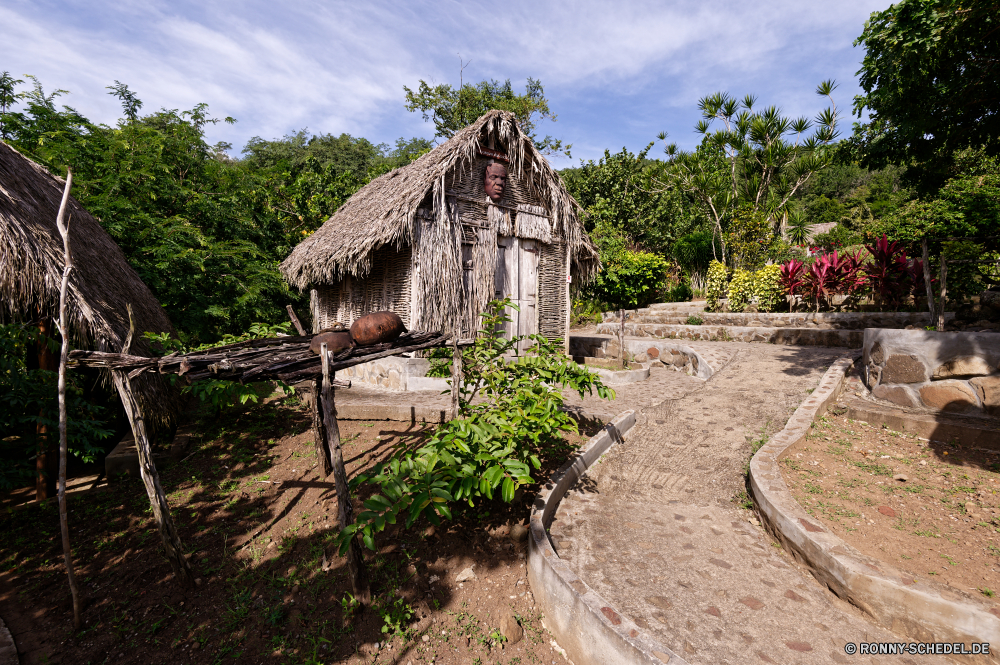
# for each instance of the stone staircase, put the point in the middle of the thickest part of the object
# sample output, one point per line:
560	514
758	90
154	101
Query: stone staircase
676	321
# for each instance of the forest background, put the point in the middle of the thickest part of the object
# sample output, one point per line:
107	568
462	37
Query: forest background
206	230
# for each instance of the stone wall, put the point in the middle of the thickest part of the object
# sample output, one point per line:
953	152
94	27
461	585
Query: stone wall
822	320
394	373
953	371
678	356
814	336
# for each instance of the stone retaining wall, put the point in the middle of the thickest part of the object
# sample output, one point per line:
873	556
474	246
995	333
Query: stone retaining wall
794	336
822	320
394	373
953	371
678	356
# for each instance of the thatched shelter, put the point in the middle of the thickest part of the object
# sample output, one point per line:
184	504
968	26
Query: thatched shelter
102	284
427	242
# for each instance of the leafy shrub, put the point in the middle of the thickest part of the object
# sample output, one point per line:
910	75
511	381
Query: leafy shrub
715	284
440	360
767	289
495	444
28	398
694	321
889	273
751	239
679	292
740	290
630	279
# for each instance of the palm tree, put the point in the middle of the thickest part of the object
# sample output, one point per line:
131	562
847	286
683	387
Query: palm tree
797	227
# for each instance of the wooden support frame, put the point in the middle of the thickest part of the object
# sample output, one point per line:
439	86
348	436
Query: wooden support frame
151	479
334	459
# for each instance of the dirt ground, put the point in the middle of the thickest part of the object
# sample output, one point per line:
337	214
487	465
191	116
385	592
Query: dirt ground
258	521
929	508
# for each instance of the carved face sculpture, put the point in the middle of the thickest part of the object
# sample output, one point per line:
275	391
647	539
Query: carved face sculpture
495	181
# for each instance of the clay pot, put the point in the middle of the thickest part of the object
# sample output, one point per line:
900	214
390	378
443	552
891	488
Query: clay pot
335	342
377	328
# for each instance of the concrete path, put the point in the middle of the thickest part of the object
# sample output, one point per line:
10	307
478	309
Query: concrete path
653	527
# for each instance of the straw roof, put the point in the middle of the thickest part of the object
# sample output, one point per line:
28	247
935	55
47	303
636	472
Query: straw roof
383	211
101	285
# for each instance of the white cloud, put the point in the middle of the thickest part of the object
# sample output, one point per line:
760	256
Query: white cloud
612	70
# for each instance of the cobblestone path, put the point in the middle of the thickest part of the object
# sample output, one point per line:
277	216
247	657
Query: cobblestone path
654	529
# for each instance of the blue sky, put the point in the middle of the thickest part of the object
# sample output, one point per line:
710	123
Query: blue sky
616	74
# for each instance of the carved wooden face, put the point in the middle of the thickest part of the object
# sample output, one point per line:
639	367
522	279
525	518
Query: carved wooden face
495	181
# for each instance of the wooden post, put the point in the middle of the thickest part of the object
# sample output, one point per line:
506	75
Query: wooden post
319	429
621	339
345	511
296	322
62	223
46	458
456	377
944	294
151	479
927	279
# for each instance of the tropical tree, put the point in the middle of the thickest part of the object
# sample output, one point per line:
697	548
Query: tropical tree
451	109
931	81
755	158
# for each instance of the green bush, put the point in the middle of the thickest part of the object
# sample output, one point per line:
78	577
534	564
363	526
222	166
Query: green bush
740	290
715	284
679	292
630	279
510	422
767	290
751	239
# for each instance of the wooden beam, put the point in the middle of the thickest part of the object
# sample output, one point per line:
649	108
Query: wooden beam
456	377
151	479
345	511
927	279
296	322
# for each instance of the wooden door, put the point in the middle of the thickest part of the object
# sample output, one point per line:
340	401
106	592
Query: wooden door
517	277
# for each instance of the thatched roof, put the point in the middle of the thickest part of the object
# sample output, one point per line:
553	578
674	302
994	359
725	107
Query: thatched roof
101	285
383	211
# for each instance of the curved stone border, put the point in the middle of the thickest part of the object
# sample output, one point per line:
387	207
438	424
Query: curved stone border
919	610
620	377
8	650
589	345
590	630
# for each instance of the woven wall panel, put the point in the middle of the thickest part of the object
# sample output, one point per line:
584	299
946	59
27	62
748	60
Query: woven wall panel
553	306
385	288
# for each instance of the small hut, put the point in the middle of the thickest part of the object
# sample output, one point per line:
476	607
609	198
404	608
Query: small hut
101	286
428	242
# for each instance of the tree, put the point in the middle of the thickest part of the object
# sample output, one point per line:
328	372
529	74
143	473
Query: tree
748	161
931	77
452	109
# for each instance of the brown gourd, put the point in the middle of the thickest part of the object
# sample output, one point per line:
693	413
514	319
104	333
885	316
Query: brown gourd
377	328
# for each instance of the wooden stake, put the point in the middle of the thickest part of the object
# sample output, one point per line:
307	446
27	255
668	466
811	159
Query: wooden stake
319	429
296	322
927	279
345	510
944	294
63	225
151	479
456	377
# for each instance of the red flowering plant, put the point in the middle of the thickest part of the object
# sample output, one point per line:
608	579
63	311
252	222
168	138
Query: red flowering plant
792	279
889	273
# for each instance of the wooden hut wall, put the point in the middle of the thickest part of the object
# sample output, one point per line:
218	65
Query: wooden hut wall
386	287
553	296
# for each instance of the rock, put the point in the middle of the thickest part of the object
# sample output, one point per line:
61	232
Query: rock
971	508
903	369
876	355
964	366
988	388
653	352
896	394
465	575
510	629
518	533
949	395
887	511
426	638
901	477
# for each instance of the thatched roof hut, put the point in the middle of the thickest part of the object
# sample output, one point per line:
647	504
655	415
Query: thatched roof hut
101	285
426	242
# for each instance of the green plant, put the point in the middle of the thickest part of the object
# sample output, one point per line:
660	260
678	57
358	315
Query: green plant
694	320
715	284
767	290
740	290
396	615
440	360
510	419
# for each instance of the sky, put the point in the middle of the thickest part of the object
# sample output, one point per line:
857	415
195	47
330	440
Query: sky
615	73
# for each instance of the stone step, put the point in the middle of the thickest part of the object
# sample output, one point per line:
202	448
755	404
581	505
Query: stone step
852	339
825	320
